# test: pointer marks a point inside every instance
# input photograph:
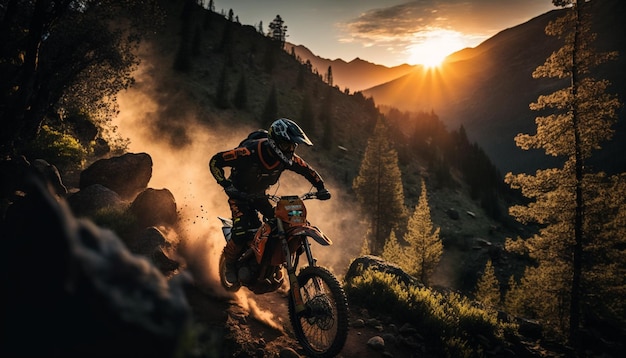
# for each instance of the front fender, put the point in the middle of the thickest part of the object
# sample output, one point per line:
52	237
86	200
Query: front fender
312	231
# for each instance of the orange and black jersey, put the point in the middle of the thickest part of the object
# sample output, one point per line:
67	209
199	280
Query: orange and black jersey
254	167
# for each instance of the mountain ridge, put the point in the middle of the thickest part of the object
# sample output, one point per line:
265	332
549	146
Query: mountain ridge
350	74
491	98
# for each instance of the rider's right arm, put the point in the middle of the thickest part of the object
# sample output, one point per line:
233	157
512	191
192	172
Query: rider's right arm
228	158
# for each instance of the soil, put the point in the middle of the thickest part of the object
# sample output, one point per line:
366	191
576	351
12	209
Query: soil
262	329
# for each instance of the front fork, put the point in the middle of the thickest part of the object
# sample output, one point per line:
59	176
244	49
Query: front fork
291	269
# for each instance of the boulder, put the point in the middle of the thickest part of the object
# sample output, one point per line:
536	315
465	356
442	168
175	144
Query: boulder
152	244
126	175
375	263
51	173
154	207
89	200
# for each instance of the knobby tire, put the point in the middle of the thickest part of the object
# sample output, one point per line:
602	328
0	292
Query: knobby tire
322	332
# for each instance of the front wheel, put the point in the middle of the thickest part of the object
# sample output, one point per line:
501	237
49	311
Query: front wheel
322	328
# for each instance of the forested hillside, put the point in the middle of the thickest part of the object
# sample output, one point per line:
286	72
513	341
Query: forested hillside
199	81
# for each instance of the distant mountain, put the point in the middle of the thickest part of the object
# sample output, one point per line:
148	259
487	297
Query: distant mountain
355	75
488	89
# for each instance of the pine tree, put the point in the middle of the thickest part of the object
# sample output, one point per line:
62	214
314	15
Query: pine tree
425	246
562	198
488	287
394	252
329	76
278	31
378	188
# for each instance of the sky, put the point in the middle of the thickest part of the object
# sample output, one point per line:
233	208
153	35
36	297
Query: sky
387	32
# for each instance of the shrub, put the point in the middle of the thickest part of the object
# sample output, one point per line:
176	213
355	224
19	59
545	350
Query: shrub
61	150
450	321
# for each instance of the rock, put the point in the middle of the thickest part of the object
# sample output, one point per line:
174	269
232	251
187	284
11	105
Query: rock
89	200
453	214
127	174
154	207
377	343
375	263
51	173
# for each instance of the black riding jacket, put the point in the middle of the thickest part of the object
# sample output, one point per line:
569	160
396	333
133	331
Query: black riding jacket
254	167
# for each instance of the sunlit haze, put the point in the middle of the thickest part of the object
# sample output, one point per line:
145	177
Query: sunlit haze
432	47
391	32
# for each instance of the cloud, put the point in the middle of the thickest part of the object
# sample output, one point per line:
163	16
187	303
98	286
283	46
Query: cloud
403	24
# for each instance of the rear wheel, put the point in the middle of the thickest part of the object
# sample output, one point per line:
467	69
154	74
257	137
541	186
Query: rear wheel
322	328
228	286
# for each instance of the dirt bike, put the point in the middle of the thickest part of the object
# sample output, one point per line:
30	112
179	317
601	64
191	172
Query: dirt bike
318	307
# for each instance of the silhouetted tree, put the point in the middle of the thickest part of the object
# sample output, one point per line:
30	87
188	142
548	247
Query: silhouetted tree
278	31
56	54
329	76
378	188
564	200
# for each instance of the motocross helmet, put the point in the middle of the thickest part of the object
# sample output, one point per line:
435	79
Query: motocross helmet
284	136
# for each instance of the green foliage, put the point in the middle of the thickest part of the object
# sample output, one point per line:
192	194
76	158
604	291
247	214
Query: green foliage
67	56
59	149
449	321
120	221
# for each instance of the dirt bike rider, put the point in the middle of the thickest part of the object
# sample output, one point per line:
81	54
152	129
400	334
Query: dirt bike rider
256	165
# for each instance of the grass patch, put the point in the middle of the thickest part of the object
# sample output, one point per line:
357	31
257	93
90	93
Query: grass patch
454	325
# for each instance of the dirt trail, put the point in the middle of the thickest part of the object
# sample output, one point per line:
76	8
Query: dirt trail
261	323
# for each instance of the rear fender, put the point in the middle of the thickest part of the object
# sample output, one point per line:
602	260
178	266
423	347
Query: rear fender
313	232
227	227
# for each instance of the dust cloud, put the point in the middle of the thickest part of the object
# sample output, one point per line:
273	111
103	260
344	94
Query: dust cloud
166	124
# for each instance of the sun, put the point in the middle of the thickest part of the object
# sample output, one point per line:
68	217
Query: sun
432	47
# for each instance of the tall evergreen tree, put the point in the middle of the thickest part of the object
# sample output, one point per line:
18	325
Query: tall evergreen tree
278	31
378	188
329	76
425	246
582	117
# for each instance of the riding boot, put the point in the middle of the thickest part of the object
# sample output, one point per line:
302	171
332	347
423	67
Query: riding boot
232	251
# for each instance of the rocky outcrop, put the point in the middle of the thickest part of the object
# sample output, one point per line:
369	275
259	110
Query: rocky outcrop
126	175
375	263
60	271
